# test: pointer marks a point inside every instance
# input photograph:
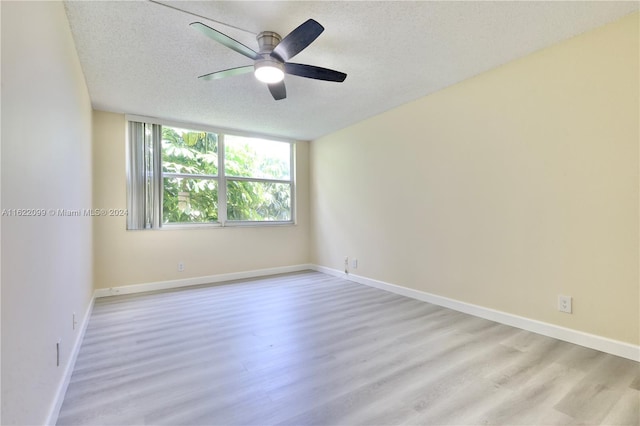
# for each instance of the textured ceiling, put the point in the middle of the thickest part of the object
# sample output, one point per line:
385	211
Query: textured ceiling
143	58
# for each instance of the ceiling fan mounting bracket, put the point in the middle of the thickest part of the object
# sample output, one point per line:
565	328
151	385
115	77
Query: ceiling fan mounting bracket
267	41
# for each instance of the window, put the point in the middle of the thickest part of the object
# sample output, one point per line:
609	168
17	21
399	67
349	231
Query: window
189	176
180	176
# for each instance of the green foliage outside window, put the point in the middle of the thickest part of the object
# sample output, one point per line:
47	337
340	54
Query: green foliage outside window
194	199
189	199
260	201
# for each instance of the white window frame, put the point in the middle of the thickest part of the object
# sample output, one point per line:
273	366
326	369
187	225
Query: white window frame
221	178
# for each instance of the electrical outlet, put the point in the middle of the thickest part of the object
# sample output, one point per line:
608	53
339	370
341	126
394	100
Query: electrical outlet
354	263
564	304
180	266
346	265
74	322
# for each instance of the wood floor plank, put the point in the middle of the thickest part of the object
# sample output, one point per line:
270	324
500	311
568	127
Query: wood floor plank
626	411
307	348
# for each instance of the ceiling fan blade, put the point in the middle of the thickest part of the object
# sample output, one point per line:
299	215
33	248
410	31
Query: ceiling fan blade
225	40
227	73
317	73
278	91
297	40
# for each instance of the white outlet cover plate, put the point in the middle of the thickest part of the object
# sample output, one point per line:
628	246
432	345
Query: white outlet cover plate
564	304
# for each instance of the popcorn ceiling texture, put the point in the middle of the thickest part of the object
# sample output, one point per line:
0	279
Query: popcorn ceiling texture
143	58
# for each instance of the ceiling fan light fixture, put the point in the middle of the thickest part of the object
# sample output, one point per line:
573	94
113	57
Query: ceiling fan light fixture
269	71
271	63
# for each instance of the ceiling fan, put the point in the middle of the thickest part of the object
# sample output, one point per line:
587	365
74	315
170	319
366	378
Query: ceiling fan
270	63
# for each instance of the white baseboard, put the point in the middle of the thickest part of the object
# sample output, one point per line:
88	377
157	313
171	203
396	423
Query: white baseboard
52	418
604	344
164	285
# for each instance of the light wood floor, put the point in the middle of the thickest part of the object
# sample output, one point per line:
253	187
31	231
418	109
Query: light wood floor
311	349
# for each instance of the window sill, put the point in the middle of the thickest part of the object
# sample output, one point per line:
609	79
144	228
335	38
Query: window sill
229	224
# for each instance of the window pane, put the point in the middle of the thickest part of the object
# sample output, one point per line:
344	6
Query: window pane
189	151
260	201
189	200
256	158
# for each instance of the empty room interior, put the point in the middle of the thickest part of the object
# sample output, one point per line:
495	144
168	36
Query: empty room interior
327	213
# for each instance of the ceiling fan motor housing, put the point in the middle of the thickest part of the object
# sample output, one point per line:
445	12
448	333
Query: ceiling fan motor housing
267	41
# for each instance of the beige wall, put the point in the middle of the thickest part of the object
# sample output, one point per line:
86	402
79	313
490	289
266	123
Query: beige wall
46	164
134	257
502	191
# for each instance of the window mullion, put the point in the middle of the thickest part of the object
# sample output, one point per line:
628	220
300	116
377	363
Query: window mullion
157	176
222	183
261	180
292	178
189	175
